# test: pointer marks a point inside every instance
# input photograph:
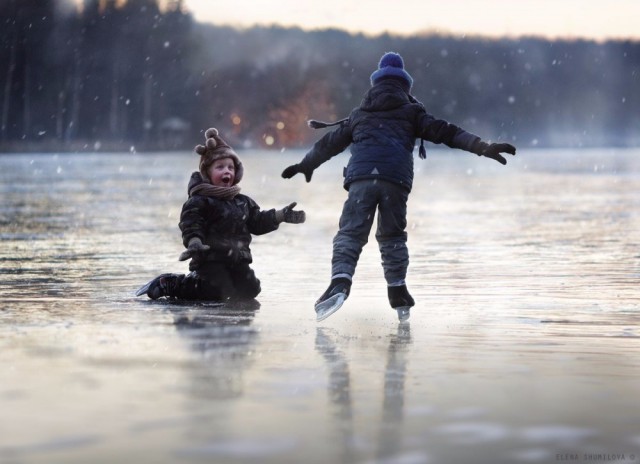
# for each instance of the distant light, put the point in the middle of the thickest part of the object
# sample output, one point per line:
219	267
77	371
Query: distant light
511	99
280	125
236	120
269	140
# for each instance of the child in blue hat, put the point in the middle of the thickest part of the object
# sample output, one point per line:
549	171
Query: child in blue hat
382	133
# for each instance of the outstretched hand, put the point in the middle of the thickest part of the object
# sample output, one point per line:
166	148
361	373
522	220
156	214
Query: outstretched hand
294	169
287	214
493	151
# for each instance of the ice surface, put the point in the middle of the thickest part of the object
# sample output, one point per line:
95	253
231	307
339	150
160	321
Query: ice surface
523	344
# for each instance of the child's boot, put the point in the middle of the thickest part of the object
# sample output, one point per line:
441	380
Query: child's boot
163	285
332	298
401	301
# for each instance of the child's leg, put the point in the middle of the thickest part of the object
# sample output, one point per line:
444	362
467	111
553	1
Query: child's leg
214	278
245	282
390	233
355	224
163	285
392	240
180	286
195	286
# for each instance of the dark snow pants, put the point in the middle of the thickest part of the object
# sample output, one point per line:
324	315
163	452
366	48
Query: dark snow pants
365	197
216	281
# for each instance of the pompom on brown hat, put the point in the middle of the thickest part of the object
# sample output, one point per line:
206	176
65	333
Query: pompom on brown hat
216	148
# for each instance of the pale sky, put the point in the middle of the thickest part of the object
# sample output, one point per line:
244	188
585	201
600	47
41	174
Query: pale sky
593	19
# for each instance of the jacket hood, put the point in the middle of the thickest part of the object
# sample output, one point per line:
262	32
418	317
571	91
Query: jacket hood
196	179
387	94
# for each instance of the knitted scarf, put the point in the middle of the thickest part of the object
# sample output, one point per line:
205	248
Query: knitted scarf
209	190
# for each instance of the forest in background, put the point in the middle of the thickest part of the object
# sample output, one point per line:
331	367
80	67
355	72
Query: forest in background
130	75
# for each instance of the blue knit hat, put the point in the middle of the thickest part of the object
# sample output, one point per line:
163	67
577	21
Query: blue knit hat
391	65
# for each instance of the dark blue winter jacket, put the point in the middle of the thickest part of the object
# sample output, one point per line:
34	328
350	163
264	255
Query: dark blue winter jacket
382	133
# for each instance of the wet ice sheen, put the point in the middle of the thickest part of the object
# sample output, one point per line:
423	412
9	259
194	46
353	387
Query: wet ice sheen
523	344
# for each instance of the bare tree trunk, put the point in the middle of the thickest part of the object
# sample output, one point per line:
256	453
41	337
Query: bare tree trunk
72	128
60	116
147	123
6	100
26	111
113	107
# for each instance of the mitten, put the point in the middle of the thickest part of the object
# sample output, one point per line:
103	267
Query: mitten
294	169
287	214
195	246
493	150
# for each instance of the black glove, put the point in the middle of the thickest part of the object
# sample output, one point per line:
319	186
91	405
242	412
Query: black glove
287	214
294	169
493	150
195	246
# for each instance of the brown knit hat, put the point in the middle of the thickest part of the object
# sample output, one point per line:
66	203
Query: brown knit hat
214	149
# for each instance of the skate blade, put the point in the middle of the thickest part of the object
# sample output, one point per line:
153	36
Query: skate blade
144	289
403	313
329	306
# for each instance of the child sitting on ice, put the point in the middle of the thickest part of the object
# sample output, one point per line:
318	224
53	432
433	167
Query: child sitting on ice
217	222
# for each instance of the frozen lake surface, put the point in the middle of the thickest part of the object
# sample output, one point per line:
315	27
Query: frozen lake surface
524	345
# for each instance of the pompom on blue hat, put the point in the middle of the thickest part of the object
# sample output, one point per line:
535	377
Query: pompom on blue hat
391	66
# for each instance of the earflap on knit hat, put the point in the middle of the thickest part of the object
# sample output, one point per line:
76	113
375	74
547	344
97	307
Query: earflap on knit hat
391	65
216	148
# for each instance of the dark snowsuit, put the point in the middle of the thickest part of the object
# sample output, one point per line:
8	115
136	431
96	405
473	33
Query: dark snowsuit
382	133
226	227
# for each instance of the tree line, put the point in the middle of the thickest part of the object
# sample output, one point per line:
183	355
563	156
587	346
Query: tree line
142	75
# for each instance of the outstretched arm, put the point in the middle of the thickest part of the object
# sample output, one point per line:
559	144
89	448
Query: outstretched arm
331	144
440	131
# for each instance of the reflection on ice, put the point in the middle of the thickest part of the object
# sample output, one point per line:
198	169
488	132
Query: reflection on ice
391	427
224	338
339	390
390	434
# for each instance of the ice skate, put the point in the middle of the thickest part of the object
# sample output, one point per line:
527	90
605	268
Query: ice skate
332	299
401	301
